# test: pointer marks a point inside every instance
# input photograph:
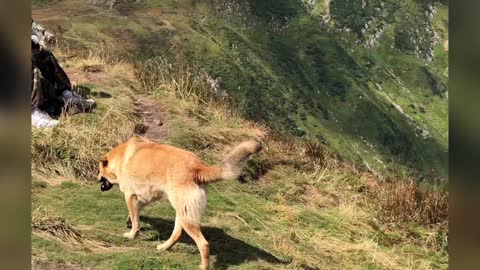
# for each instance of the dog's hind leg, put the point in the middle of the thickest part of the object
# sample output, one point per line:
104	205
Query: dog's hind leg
189	204
133	212
177	232
193	230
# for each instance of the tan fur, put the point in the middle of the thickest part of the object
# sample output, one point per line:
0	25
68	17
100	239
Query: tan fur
145	171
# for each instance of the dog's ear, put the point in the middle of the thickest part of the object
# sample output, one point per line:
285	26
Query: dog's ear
104	161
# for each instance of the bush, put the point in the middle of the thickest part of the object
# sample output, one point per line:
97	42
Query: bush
407	201
317	152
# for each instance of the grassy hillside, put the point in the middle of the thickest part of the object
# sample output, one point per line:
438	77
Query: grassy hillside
338	116
299	207
360	78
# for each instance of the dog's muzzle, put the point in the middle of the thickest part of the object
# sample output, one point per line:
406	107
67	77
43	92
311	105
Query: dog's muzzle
106	185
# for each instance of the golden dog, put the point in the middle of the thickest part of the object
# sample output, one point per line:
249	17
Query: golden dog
145	171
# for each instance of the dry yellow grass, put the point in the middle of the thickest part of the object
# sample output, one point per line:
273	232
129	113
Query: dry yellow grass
55	227
406	201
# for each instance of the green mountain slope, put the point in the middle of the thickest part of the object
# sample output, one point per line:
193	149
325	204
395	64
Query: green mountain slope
366	78
301	67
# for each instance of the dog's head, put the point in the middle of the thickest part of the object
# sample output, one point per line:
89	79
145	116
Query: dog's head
105	175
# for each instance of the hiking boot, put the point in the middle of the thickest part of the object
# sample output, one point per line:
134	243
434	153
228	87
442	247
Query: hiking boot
77	104
41	119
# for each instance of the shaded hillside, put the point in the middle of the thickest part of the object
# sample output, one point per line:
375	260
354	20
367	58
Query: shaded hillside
367	78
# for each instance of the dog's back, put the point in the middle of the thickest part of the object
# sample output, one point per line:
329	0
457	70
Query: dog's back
143	164
145	160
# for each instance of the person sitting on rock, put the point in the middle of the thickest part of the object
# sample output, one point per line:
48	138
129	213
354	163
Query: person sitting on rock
52	92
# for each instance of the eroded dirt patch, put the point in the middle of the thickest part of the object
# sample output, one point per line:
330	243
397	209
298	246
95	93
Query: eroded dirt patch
152	114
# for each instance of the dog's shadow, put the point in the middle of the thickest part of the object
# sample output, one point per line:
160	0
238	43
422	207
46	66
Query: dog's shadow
229	251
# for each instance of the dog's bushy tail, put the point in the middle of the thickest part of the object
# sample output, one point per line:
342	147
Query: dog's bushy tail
231	167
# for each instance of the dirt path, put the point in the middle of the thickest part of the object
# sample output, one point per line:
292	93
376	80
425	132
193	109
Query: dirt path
152	114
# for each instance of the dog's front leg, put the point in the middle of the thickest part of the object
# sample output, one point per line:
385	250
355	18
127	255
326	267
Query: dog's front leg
133	209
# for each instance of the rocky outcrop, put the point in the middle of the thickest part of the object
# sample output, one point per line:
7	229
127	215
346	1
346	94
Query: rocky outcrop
308	5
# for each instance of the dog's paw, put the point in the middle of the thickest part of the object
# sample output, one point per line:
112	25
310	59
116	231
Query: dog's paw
162	247
130	235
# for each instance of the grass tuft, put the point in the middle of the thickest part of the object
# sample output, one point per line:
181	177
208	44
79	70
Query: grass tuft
410	208
407	201
158	75
55	227
318	152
